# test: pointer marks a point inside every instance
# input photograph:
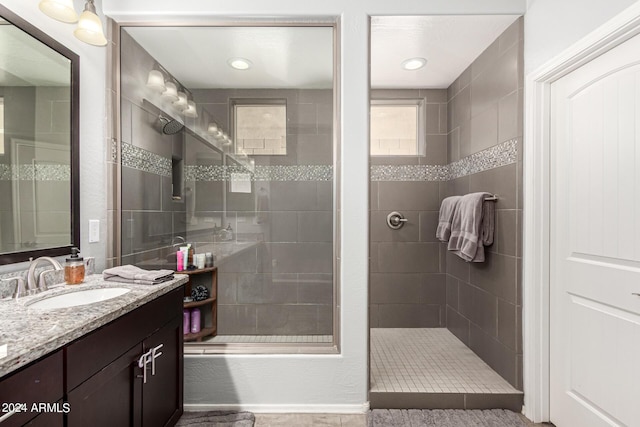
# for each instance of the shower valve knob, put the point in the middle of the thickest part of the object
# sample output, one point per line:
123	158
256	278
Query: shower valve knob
395	220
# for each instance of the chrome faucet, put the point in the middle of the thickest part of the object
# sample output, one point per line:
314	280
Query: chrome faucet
174	243
34	283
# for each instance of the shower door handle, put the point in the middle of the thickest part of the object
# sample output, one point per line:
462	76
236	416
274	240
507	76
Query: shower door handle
395	220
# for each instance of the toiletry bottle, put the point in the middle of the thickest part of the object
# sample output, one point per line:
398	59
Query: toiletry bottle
180	261
74	268
229	234
195	320
186	328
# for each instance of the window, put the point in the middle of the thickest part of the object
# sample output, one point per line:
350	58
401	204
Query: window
261	128
397	127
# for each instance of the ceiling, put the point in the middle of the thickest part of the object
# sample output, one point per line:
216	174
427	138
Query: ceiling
448	43
282	57
302	57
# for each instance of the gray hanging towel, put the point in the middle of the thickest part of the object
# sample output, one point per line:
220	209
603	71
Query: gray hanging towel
447	209
472	227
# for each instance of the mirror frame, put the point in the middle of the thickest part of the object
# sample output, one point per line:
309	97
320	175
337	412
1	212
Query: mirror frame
14	257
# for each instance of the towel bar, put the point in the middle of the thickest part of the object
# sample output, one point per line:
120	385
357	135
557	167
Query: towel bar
493	198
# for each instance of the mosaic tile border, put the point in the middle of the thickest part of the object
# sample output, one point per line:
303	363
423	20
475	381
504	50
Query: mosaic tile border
35	172
499	155
261	173
491	158
146	161
409	173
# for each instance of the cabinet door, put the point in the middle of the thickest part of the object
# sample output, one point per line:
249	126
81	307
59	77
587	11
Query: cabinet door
48	419
107	398
162	393
40	382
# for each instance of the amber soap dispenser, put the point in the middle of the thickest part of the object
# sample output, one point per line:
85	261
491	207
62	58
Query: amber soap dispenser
74	268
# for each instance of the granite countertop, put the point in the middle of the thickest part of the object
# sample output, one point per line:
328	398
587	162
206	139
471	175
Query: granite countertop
26	334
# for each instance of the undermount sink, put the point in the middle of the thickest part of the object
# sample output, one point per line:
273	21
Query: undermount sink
79	297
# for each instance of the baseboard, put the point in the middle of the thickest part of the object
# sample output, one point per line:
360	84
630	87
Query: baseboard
280	408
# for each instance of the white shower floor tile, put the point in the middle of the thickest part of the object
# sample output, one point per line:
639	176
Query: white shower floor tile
429	360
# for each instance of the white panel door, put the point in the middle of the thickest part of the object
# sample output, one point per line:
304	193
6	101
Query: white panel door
595	242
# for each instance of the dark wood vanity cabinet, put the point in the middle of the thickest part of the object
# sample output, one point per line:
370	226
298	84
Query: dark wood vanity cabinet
117	390
100	376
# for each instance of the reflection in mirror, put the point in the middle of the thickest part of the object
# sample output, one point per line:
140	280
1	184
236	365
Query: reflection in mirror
248	178
38	143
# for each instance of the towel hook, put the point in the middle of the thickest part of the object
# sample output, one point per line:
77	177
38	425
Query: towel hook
395	220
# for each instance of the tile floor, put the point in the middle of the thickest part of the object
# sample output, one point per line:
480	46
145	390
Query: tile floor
429	360
251	339
336	420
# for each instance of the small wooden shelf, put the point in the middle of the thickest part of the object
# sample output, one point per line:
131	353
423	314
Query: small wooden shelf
198	303
199	335
210	303
197	270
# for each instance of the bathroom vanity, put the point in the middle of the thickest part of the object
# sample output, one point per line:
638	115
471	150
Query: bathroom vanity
112	363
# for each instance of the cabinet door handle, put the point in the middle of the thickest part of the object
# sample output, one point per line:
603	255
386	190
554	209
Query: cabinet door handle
7	416
155	353
142	363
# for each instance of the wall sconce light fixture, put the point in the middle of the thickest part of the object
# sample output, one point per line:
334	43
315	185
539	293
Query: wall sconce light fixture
89	28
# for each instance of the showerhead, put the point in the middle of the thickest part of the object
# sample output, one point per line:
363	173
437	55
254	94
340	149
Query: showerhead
169	126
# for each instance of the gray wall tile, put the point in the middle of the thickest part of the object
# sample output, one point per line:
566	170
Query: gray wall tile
497	275
452	292
395	288
507	324
501	181
436	152
479	306
287	319
302	257
409	316
504	237
428	226
142	190
458	325
484	129
381	232
416	196
315	226
408	257
500	358
237	319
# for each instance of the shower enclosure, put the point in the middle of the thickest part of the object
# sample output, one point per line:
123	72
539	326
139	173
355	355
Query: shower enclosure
445	333
234	156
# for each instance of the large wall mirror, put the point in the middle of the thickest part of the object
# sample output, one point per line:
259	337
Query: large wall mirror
39	82
228	145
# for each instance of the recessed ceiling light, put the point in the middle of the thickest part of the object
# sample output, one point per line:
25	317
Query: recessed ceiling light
239	63
413	63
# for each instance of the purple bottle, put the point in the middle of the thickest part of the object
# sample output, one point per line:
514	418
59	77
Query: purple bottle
186	321
195	320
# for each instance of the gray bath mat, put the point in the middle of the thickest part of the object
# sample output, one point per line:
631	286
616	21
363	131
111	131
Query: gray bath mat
444	418
216	419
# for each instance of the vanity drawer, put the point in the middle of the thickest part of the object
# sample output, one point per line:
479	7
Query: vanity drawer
89	354
40	382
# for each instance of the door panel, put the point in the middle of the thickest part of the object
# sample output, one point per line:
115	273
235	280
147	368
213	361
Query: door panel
595	242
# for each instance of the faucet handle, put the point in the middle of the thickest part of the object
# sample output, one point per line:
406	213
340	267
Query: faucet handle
12	287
